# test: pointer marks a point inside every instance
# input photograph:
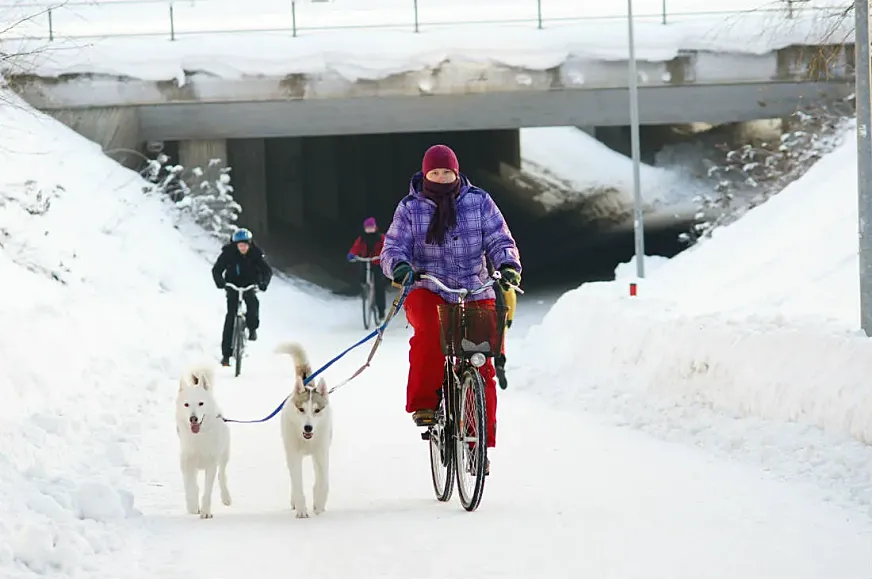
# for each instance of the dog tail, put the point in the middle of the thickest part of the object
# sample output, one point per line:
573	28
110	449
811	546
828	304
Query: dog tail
201	375
298	353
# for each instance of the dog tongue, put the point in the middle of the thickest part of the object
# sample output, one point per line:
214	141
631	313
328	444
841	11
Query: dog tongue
195	427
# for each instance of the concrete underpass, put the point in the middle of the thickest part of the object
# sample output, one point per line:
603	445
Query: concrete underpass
306	184
306	197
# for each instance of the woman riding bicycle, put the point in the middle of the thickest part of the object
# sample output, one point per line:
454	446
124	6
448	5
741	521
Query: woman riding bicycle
369	244
450	229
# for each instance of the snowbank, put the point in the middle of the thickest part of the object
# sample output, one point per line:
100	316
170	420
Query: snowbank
794	256
760	321
106	300
586	167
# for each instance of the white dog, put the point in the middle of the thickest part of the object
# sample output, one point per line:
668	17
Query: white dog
307	429
204	439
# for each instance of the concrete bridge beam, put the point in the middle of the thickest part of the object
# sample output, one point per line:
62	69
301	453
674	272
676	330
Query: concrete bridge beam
115	129
195	153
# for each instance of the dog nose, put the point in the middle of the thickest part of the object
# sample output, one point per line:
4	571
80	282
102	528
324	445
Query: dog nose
307	428
193	419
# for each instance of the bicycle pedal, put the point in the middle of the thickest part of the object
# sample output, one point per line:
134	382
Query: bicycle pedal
425	435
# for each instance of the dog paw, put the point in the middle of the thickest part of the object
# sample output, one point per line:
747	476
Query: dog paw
302	514
225	500
318	509
205	515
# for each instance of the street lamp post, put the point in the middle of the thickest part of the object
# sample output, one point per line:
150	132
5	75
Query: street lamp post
864	158
638	225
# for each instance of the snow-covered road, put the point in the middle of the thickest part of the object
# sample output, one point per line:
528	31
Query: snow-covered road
715	426
566	497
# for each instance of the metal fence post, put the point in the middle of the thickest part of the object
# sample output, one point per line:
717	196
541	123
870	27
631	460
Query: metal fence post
663	12
415	3
539	12
294	18
172	23
50	27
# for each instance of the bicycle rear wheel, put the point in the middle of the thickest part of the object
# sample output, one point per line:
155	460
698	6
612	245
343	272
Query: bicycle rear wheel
238	346
373	314
442	463
470	421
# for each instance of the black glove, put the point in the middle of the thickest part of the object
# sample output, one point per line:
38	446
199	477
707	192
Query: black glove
401	272
509	277
262	286
220	284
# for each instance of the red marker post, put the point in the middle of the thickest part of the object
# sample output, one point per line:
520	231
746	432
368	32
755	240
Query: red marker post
632	289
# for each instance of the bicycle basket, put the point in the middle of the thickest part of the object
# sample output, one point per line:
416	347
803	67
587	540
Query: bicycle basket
465	330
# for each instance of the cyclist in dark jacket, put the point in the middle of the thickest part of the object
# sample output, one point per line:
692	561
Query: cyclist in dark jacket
241	263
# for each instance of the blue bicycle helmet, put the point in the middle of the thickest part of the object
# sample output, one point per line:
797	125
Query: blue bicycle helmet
242	235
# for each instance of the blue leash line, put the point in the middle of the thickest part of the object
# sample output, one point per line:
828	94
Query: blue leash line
377	332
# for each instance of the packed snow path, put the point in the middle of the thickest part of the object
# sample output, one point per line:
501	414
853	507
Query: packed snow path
565	499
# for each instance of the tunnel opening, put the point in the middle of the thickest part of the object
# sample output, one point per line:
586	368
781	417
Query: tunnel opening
305	198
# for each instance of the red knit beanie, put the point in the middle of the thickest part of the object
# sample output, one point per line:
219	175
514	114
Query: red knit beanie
440	157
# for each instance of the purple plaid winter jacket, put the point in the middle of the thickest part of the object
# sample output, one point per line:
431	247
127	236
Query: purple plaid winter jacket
481	233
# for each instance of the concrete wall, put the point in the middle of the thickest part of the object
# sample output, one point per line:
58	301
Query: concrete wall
284	182
601	107
652	138
247	161
200	152
112	128
457	95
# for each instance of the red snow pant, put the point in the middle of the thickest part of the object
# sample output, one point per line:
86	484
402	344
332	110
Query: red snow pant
427	362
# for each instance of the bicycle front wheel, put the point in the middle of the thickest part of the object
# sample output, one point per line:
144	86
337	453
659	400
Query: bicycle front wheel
364	296
238	347
470	422
442	463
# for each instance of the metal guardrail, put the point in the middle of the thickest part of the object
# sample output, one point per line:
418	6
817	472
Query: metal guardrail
39	19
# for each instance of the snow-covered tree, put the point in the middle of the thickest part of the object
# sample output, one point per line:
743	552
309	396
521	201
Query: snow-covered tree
752	172
205	194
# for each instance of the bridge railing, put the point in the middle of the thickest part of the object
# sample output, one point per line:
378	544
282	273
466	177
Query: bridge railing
78	19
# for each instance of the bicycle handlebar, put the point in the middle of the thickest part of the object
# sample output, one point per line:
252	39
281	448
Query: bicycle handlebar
463	292
364	259
240	289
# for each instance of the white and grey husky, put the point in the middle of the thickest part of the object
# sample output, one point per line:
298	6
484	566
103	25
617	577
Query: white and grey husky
204	440
307	430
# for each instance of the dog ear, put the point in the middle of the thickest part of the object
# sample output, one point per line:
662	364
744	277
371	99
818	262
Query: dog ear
322	387
195	379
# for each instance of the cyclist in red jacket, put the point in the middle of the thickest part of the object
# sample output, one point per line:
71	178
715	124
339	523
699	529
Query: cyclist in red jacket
369	244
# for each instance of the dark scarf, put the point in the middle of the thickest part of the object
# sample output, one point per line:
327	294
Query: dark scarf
445	217
370	240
